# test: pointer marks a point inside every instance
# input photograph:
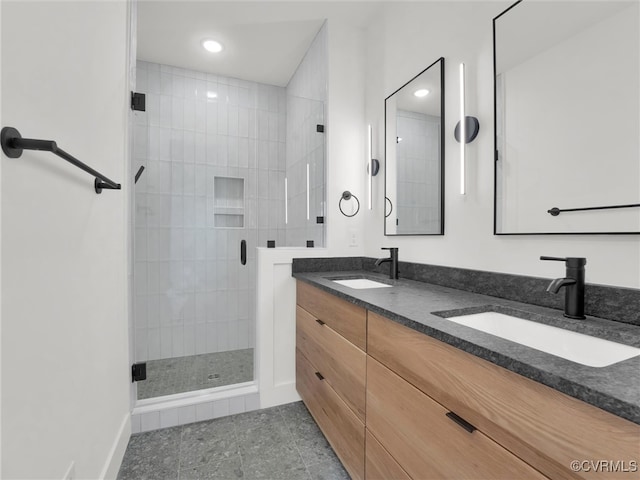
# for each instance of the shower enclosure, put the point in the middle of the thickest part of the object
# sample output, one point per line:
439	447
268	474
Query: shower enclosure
229	165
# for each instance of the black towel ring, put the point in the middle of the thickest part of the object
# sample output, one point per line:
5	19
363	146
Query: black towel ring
347	195
387	199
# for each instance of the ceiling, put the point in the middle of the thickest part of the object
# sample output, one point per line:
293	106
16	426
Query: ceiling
429	79
264	41
533	27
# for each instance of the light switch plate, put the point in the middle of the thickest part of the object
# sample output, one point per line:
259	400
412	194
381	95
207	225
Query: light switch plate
353	237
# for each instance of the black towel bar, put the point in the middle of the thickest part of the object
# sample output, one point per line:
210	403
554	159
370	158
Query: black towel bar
13	144
555	211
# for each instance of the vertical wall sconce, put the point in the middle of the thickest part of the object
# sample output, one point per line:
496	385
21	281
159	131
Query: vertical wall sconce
465	132
373	165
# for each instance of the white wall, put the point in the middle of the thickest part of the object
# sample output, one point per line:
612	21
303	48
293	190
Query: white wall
65	374
346	136
401	42
585	117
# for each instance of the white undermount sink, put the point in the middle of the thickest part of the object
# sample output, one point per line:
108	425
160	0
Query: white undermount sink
577	347
361	283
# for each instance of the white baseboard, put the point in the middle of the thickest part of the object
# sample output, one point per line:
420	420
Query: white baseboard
181	409
116	454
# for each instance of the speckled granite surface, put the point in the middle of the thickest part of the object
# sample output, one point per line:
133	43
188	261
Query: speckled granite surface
276	443
615	388
614	303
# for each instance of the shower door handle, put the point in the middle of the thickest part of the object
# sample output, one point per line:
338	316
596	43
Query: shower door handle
243	252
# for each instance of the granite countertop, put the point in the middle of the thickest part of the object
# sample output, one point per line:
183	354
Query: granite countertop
615	388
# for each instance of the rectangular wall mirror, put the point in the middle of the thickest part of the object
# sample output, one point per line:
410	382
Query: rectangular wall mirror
567	113
414	155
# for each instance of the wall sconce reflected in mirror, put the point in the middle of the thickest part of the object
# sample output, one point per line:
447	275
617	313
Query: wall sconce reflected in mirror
308	183
373	165
466	130
286	201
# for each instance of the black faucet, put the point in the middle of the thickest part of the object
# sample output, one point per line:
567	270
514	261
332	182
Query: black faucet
573	283
393	262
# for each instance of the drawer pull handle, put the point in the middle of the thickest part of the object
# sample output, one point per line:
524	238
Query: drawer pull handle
320	321
319	375
462	422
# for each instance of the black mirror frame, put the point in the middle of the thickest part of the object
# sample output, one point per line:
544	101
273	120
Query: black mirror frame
442	151
495	157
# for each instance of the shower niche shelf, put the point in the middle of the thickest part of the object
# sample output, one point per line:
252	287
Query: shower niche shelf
228	202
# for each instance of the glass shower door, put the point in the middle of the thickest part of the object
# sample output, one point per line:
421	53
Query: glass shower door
213	149
194	296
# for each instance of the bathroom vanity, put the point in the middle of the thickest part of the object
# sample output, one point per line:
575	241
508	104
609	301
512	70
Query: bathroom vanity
402	393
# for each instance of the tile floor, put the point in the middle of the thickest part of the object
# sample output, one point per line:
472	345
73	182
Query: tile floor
196	372
279	443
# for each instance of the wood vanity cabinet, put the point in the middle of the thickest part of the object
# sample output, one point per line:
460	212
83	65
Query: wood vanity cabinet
542	426
345	318
415	430
331	370
341	427
339	361
397	404
379	464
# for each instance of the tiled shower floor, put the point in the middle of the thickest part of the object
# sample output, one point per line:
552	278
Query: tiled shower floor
196	372
279	443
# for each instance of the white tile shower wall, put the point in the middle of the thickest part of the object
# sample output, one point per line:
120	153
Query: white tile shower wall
306	100
192	296
418	156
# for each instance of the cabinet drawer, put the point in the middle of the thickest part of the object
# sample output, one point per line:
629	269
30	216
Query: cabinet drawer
379	464
418	434
544	427
347	319
343	365
344	431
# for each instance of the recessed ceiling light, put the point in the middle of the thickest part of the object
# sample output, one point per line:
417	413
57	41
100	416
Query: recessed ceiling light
211	94
423	92
212	46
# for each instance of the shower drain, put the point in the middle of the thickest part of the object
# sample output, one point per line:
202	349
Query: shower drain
213	376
